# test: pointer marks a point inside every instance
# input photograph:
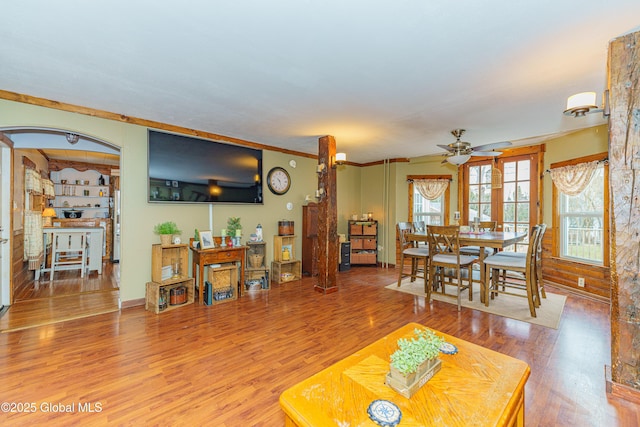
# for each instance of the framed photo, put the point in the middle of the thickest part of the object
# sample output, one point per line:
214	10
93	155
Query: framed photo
206	240
174	184
167	183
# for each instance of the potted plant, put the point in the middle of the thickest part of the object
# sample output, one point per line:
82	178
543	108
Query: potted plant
166	230
234	229
415	361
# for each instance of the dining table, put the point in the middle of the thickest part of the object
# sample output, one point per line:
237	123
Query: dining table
482	239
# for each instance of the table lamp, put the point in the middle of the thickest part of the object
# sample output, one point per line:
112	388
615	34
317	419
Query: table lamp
47	214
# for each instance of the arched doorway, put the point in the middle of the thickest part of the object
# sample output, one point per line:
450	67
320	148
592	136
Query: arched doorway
61	156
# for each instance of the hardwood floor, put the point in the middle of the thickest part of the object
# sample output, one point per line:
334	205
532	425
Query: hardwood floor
226	365
67	297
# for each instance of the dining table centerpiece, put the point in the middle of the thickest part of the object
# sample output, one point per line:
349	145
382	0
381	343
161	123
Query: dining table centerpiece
415	362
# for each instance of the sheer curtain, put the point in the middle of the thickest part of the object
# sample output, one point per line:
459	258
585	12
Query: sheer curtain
431	189
572	180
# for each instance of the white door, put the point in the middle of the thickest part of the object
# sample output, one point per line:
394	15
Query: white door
5	225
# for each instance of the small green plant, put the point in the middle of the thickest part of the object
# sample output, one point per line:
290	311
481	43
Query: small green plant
413	351
168	227
233	224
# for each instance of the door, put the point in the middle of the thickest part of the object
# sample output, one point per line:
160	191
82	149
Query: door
504	190
5	225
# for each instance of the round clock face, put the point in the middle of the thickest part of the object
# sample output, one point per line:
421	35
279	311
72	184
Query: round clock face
278	180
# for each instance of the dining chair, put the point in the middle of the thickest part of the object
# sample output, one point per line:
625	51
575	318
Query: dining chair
410	250
475	250
499	281
68	251
540	292
420	227
446	261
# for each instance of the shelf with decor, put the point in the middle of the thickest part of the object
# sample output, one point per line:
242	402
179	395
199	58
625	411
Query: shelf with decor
256	273
363	236
170	286
284	267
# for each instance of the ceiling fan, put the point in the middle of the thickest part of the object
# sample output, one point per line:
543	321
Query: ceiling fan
460	152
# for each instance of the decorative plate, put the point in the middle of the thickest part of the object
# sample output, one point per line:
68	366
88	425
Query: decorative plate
384	413
448	348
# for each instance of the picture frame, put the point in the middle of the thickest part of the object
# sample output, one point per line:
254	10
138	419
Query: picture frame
174	184
206	240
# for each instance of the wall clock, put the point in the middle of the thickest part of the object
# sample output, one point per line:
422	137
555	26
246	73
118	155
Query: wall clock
278	180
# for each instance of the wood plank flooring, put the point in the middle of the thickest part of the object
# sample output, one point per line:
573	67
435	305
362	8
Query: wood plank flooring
67	297
226	365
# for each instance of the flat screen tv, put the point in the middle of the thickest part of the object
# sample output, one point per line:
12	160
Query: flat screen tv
183	169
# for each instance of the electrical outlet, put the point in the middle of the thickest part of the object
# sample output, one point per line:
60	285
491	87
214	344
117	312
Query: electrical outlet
581	282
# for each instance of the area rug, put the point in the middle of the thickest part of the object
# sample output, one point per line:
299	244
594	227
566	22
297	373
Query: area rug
513	307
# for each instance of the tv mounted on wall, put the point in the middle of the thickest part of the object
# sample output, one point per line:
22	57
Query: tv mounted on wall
183	169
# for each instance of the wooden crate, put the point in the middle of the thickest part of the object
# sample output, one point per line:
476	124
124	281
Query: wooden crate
291	270
222	279
279	243
153	294
165	256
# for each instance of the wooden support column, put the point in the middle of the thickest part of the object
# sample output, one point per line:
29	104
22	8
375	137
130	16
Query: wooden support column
327	218
623	377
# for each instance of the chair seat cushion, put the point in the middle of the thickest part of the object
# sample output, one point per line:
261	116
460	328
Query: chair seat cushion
416	252
513	254
503	261
452	259
475	250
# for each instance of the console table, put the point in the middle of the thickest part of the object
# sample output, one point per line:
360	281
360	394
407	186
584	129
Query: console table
475	387
202	257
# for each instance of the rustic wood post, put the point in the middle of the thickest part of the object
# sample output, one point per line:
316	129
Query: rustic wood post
327	217
623	377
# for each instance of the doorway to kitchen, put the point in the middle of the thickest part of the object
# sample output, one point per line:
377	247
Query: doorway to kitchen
41	301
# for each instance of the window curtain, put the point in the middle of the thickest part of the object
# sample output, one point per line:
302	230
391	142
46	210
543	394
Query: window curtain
572	180
431	189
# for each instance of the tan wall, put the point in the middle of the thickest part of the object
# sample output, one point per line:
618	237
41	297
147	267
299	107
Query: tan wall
381	189
139	217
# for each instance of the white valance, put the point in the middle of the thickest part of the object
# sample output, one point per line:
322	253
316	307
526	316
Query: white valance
431	189
572	180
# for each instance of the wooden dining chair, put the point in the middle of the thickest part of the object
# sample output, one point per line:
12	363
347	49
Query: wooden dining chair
540	292
499	281
447	264
409	250
475	250
68	251
420	227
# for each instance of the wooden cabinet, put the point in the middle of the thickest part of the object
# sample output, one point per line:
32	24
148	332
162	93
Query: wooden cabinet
310	239
363	236
169	272
285	268
256	272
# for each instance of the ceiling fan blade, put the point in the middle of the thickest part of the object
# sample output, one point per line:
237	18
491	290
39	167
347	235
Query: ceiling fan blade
491	146
446	147
485	153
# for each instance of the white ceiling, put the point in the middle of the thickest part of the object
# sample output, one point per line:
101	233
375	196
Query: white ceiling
387	79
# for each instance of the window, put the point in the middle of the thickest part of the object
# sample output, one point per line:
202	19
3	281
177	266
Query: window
429	211
582	222
432	212
479	202
513	204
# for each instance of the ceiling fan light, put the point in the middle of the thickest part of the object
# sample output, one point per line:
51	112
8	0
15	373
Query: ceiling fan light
458	159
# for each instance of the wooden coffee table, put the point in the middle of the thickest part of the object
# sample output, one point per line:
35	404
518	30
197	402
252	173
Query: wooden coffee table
475	387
